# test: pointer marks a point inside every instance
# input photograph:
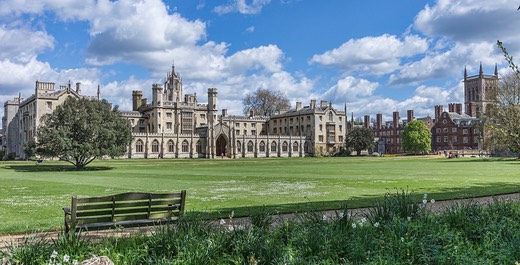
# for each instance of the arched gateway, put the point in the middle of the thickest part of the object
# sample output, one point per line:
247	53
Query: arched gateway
222	145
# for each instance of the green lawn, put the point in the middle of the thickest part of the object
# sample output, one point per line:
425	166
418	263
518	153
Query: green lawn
31	196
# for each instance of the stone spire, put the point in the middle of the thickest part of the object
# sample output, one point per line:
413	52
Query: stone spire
496	70
480	72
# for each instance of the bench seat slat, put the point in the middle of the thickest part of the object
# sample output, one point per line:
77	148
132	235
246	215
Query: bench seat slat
129	223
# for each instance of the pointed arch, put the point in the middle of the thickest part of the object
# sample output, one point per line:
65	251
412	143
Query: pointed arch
262	146
273	146
155	146
171	146
295	146
139	146
250	146
185	146
284	146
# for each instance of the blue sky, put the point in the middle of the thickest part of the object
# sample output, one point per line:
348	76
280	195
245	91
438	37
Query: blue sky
373	56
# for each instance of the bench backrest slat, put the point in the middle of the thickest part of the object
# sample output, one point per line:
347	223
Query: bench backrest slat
127	207
129	196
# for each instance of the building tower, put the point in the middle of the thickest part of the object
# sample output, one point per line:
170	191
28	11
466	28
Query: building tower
479	91
212	105
173	86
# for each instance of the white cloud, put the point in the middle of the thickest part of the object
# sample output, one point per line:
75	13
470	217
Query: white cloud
241	7
372	55
22	44
129	30
251	29
446	64
350	89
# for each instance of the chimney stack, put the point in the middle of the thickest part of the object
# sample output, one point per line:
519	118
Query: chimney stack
323	104
458	108
224	112
396	119
313	103
367	121
298	106
379	121
439	109
409	116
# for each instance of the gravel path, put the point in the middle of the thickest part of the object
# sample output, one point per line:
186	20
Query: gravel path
17	240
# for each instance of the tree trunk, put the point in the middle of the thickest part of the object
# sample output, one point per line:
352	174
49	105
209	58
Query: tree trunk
358	152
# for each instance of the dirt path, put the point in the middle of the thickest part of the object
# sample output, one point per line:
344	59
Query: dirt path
16	240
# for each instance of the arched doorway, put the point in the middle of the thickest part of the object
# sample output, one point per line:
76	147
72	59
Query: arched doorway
221	145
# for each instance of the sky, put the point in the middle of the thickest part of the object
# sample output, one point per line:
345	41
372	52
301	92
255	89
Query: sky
372	56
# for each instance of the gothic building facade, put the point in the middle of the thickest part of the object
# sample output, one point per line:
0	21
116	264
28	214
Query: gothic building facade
176	125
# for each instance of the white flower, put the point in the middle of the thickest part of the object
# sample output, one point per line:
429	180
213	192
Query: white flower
402	239
363	220
232	214
424	201
432	201
324	218
376	224
425	196
222	222
75	262
354	225
409	218
341	215
66	258
54	254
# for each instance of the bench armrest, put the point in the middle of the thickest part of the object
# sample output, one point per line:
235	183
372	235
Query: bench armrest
66	210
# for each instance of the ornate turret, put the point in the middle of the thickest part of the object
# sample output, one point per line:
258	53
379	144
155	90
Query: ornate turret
496	70
173	86
480	72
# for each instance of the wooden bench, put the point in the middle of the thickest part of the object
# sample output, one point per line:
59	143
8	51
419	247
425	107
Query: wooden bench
123	210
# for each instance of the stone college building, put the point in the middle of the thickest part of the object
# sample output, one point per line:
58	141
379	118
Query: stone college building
175	125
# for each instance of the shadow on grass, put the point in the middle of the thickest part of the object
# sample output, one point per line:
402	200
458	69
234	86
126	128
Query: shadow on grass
53	168
488	189
474	159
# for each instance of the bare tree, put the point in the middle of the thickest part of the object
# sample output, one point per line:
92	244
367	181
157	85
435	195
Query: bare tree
509	89
265	102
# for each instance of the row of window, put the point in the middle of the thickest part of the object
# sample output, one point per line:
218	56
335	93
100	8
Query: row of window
454	139
454	130
262	146
185	146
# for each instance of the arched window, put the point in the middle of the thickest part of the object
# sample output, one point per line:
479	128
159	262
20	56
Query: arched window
239	147
155	146
273	146
284	146
139	146
306	147
185	147
331	116
250	146
262	146
199	147
295	147
171	146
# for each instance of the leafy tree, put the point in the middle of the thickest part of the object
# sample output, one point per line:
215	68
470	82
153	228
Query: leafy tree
265	102
360	138
416	137
81	130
